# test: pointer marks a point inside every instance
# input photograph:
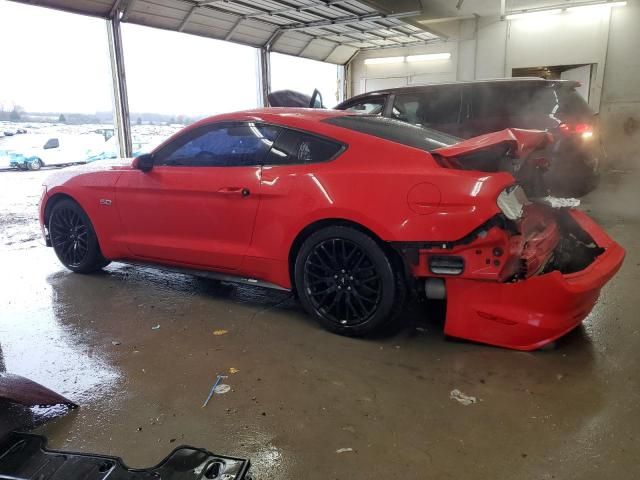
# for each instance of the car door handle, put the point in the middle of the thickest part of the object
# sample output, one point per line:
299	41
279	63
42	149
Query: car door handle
245	192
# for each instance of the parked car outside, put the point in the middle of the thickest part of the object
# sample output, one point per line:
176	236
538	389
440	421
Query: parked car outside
469	109
34	151
352	212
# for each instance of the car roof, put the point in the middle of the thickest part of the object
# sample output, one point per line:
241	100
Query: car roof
303	118
495	81
281	115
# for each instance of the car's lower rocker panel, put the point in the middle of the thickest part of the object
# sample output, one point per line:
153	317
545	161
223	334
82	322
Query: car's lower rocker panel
223	277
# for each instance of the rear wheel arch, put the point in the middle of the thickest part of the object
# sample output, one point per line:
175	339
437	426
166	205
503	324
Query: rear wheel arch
394	257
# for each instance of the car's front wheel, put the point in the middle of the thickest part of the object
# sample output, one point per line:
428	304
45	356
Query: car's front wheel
73	238
347	283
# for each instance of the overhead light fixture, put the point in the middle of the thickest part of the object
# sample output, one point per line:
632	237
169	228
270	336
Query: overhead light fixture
534	13
383	60
553	11
579	8
428	57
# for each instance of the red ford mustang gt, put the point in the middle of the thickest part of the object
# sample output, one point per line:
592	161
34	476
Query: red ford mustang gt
350	211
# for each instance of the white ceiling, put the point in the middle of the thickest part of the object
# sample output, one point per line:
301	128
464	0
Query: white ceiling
326	30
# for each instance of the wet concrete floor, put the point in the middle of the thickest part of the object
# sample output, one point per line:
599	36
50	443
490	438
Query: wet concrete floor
135	347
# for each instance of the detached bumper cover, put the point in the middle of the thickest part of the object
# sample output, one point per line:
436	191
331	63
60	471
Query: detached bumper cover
24	457
528	314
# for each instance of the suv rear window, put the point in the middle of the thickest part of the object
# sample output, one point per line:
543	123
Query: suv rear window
499	100
572	103
395	131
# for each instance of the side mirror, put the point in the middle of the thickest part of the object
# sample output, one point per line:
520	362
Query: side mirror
316	99
144	162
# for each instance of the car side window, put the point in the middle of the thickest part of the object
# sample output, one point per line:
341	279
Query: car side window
51	143
505	101
438	106
294	147
220	145
405	108
371	106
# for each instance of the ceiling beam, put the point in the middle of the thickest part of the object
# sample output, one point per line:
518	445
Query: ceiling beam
306	45
114	8
233	29
187	17
301	8
411	44
330	53
393	38
346	19
127	10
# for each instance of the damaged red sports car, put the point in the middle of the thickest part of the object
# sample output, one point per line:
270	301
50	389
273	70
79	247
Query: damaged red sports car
353	213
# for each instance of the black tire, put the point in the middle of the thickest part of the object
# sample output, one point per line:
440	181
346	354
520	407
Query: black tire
73	238
347	283
34	164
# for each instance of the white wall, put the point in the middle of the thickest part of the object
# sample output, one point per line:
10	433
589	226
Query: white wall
499	46
490	48
620	104
418	72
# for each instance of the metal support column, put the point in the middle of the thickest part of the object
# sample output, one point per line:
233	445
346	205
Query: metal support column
264	63
342	83
122	120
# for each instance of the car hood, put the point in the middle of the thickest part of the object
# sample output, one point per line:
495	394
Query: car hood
62	176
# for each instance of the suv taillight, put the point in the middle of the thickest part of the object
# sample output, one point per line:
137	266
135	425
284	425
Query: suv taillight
584	130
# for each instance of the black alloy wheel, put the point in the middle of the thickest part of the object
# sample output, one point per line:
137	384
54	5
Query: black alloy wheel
347	282
74	239
342	281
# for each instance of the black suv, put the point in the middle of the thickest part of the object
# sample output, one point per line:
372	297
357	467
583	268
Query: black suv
468	109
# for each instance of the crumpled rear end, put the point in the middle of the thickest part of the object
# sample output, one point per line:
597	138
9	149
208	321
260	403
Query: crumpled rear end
527	313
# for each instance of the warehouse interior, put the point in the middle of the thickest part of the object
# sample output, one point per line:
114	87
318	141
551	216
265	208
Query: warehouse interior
138	349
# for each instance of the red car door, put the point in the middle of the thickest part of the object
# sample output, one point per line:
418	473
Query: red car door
197	205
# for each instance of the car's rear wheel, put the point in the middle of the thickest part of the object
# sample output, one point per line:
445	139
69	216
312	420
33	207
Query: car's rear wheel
34	164
347	283
73	238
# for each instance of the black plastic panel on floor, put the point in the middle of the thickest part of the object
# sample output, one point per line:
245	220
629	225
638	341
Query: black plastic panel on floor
24	457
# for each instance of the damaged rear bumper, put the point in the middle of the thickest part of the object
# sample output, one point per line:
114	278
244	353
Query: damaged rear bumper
529	313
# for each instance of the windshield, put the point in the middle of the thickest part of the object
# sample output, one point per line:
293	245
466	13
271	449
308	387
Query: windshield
395	131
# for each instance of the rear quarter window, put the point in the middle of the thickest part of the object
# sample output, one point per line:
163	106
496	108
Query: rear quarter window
295	147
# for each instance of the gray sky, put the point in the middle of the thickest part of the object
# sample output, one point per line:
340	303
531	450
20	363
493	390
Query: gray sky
58	62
